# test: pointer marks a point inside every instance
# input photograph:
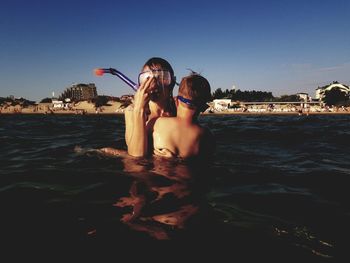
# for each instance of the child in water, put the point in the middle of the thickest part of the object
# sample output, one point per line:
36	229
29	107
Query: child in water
182	136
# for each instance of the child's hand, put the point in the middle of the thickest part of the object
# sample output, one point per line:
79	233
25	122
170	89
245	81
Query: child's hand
142	95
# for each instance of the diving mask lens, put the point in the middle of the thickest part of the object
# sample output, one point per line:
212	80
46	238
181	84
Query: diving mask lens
144	76
163	77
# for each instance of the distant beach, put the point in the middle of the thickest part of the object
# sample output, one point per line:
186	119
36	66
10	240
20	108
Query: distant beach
82	107
114	107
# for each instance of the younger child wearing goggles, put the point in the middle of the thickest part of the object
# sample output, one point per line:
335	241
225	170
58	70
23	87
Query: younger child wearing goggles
182	136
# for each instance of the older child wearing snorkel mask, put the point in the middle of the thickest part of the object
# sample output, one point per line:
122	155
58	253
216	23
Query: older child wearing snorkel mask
153	99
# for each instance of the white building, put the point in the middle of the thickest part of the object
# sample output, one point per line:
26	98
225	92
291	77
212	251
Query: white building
320	91
57	104
222	104
304	96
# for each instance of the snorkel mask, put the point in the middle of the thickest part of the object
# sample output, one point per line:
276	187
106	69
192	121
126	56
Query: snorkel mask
163	77
163	80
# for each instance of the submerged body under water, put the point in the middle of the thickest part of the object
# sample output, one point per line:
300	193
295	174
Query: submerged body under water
278	186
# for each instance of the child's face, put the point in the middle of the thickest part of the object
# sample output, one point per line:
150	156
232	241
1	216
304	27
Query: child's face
161	85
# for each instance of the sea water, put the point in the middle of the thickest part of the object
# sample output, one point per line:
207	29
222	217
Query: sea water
277	185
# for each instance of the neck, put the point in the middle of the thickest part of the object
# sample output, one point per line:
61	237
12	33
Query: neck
159	108
186	114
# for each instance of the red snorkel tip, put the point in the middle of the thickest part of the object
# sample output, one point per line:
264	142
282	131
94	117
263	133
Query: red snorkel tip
99	72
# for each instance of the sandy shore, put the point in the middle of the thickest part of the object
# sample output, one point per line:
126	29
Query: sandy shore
114	107
80	108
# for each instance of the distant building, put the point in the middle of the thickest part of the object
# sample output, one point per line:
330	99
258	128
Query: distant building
304	96
320	91
221	104
57	104
79	92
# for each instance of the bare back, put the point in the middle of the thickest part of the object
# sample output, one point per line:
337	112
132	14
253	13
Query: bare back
175	137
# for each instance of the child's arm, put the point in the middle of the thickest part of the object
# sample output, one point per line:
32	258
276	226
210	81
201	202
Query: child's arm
135	121
135	131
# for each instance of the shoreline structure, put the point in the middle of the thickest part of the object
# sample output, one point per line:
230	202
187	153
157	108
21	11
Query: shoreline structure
113	107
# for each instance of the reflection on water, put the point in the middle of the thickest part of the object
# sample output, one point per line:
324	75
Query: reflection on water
164	194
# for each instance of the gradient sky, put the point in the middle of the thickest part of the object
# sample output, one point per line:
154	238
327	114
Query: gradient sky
280	46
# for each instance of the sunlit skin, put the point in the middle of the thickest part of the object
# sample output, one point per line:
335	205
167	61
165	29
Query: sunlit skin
151	101
182	135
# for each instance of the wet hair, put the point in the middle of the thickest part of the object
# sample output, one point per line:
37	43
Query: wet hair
160	63
196	88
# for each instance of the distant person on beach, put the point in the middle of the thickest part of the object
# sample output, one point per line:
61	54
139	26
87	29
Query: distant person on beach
182	136
153	99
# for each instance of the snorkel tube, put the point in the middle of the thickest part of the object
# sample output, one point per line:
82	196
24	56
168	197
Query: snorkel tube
101	71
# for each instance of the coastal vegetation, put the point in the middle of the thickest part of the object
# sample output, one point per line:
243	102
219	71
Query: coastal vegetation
262	96
100	101
11	101
336	97
46	100
239	95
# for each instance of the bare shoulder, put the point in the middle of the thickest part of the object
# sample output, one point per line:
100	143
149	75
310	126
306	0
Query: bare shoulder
164	122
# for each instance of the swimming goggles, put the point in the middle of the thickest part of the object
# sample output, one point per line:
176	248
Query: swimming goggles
193	104
162	76
188	102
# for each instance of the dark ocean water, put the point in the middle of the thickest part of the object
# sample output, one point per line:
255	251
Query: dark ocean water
277	189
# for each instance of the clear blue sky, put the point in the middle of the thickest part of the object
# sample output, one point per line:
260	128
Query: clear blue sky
280	46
